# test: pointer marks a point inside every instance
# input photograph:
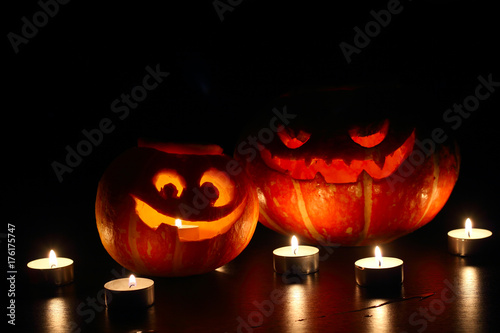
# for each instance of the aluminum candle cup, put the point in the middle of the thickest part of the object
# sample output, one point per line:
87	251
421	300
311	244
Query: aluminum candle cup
369	274
468	241
127	293
379	271
306	261
459	243
51	271
296	259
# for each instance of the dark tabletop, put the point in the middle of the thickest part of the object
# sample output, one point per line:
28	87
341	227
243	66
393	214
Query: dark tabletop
441	292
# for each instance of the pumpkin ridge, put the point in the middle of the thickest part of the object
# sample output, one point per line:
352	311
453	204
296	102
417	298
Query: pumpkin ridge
132	241
435	160
271	222
303	212
368	203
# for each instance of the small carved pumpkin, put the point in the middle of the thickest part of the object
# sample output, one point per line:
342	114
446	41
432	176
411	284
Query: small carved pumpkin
146	189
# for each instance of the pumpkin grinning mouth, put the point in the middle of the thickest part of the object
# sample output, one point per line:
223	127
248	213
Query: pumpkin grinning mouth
340	170
208	229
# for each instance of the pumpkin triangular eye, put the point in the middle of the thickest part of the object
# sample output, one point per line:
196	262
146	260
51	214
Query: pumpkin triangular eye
291	139
371	135
169	183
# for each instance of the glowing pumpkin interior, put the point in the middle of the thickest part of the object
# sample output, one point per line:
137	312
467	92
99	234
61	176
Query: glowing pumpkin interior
216	185
359	135
339	169
291	140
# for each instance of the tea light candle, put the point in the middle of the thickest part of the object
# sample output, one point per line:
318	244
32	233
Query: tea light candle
296	259
468	241
51	271
377	271
189	232
129	292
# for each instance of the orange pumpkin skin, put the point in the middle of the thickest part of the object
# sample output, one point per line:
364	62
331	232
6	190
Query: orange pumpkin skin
157	249
348	206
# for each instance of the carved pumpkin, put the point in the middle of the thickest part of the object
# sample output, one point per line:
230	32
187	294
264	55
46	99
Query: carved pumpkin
339	174
146	189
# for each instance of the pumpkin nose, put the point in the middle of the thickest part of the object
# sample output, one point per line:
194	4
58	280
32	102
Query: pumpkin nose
371	135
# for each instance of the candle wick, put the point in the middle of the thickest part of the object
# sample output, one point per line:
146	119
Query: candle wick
53	265
379	263
468	232
295	251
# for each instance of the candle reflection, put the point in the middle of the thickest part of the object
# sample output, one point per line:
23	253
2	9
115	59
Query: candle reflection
296	306
58	315
380	319
297	303
469	285
222	269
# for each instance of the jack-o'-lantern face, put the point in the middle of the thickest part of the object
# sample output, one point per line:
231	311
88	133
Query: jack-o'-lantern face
175	210
340	156
208	198
346	166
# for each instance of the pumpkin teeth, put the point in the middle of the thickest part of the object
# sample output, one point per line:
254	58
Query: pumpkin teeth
343	170
276	160
378	159
347	161
274	156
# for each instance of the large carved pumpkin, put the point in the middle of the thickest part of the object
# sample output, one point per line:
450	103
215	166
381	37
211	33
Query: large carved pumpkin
344	171
146	189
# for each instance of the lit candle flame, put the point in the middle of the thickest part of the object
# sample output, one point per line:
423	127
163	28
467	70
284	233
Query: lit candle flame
52	259
131	281
295	245
178	223
468	227
378	255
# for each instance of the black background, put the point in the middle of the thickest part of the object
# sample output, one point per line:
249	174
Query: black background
221	74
